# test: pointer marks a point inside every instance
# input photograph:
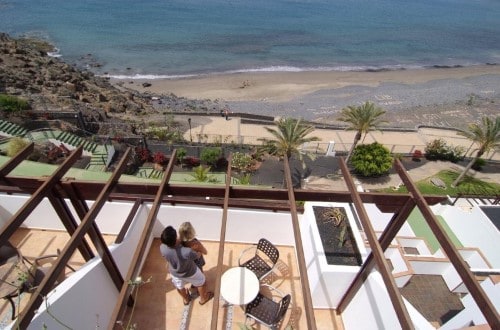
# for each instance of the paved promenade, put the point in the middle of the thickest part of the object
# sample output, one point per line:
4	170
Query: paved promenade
212	128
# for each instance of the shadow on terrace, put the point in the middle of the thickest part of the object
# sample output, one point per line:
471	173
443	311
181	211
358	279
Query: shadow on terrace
101	292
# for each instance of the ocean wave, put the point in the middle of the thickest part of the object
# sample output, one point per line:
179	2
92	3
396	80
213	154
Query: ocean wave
55	53
148	76
275	69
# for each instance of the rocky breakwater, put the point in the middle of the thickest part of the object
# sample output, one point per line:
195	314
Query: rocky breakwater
49	84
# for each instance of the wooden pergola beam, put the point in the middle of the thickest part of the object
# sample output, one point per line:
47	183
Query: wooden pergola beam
378	253
18	218
50	278
134	268
385	239
481	298
16	160
299	248
70	224
128	221
222	242
88	190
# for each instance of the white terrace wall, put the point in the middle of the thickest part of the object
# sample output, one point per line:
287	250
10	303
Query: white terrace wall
443	268
243	225
471	312
474	229
110	219
90	290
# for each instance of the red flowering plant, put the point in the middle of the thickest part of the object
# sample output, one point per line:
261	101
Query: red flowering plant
191	161
142	154
159	157
417	155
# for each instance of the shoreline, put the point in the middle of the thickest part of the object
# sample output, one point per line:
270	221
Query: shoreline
285	86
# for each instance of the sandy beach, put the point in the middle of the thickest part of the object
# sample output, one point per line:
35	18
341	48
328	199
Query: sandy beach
284	86
435	96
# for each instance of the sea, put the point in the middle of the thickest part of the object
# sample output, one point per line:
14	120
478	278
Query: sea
182	38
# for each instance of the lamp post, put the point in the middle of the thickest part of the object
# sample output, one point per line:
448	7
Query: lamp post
190	136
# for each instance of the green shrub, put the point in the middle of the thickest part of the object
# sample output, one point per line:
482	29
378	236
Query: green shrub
371	159
15	145
241	161
180	154
245	179
210	155
437	149
478	164
200	174
11	103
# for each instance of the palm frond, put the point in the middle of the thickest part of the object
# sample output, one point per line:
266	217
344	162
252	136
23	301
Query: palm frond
288	135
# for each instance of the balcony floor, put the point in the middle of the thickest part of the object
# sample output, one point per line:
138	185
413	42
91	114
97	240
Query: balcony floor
159	306
153	297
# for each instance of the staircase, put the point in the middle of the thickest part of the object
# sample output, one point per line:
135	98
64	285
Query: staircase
99	153
11	129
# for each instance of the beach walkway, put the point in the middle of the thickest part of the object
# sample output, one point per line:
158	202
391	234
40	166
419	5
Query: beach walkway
217	128
234	130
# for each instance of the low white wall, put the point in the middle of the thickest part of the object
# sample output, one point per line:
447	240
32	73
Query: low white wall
471	312
398	263
473	258
110	219
402	280
415	242
243	225
443	268
90	290
474	229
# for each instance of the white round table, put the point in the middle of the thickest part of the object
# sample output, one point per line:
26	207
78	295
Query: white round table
239	286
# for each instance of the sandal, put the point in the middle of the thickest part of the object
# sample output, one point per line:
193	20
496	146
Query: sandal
189	298
210	296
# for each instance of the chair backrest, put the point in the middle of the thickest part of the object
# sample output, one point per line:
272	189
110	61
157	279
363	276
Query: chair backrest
285	302
8	251
268	249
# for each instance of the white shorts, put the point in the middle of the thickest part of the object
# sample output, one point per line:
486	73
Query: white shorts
198	279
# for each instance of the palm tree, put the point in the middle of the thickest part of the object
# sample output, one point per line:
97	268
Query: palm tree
289	135
361	119
486	136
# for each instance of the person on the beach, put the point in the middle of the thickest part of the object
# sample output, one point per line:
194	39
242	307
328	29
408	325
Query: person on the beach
187	235
221	112
226	113
182	267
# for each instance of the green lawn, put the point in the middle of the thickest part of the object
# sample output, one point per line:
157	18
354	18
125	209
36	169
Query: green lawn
421	229
468	186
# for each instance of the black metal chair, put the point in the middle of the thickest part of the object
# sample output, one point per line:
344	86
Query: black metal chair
11	257
267	311
8	252
39	267
264	259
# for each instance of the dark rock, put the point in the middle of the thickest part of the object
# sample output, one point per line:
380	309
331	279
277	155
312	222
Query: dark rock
146	84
